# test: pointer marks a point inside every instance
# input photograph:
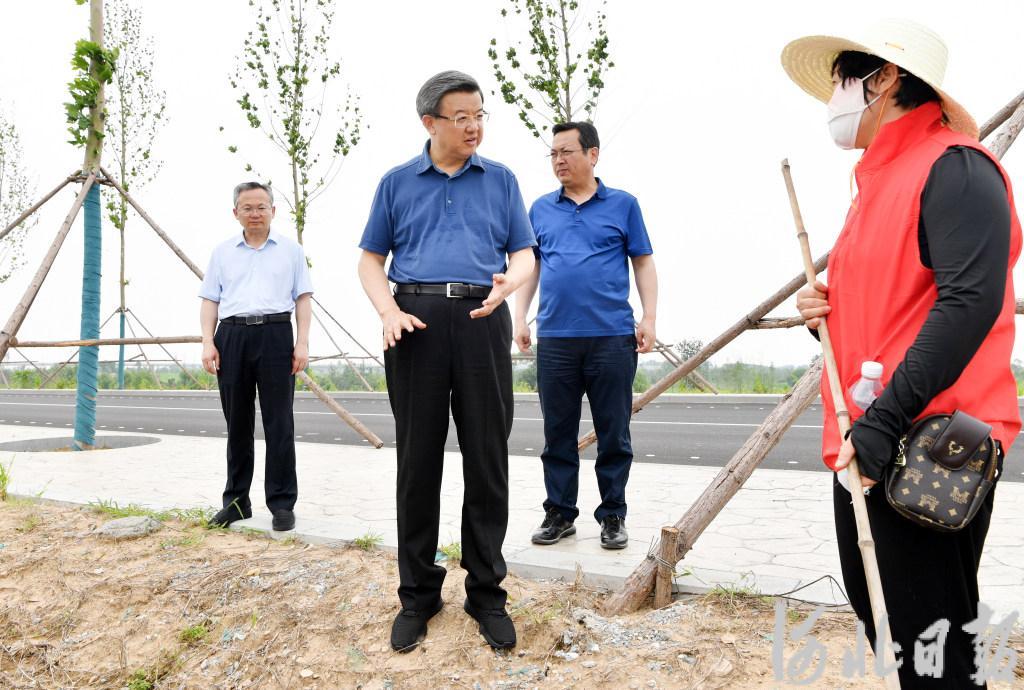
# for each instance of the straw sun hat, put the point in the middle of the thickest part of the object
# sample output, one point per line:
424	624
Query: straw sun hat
915	48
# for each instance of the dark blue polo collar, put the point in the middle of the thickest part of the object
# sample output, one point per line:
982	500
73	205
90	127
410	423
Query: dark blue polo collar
601	193
427	163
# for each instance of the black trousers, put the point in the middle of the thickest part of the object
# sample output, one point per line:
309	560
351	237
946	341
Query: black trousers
258	358
464	364
926	576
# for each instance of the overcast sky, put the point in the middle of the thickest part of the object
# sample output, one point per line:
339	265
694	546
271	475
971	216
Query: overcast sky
695	119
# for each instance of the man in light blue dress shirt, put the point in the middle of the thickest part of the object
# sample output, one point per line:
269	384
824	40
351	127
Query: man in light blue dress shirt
252	285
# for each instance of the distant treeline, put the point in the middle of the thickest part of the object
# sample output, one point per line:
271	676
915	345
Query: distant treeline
732	377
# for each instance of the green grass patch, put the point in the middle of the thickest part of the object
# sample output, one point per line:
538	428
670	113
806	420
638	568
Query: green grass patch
452	552
31	521
5	479
194	634
368	542
112	509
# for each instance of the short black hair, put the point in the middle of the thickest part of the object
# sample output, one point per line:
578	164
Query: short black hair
913	92
587	133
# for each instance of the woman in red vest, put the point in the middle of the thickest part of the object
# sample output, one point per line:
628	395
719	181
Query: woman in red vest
920	280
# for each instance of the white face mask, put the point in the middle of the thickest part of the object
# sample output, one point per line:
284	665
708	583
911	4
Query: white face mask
845	110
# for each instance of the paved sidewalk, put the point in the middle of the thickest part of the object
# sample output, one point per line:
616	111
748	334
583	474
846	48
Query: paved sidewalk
774	536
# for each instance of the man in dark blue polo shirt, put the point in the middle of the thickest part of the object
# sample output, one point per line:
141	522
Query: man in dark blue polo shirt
586	338
449	218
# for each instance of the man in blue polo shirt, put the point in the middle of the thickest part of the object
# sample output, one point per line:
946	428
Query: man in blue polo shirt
449	218
586	338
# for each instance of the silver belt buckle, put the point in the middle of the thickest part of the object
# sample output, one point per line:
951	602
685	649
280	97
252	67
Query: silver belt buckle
448	291
254	320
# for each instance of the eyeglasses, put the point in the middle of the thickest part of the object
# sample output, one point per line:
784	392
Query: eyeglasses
253	210
563	153
462	121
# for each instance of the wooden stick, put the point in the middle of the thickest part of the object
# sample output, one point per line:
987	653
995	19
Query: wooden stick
698	381
21	310
1000	117
670	379
787	322
175	339
35	207
1007	134
860	508
666	567
723	487
341	411
53	374
156	228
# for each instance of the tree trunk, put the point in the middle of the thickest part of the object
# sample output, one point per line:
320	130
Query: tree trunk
88	357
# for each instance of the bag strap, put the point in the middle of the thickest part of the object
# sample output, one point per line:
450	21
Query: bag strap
959	440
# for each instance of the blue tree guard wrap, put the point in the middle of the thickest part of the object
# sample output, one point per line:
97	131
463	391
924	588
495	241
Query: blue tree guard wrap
88	357
120	357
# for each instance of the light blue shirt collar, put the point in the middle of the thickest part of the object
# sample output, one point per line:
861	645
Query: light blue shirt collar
272	237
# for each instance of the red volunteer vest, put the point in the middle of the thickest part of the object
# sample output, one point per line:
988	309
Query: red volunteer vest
880	293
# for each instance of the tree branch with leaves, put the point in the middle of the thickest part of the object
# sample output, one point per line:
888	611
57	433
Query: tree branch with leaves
16	194
283	79
552	80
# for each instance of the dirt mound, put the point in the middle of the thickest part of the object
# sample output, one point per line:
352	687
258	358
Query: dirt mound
187	607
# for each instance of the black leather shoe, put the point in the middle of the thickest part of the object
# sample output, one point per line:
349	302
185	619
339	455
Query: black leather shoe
230	513
410	627
284	520
613	532
553	528
495	626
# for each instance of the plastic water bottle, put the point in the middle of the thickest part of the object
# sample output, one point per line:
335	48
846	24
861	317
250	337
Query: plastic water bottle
863	393
868	386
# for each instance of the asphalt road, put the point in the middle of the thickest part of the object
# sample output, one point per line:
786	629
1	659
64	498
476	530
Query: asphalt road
688	430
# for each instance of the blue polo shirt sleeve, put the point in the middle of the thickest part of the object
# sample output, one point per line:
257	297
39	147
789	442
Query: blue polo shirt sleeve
533	224
638	243
301	283
379	234
211	288
520	230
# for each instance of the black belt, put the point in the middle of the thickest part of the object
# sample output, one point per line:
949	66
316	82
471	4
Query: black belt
258	319
451	290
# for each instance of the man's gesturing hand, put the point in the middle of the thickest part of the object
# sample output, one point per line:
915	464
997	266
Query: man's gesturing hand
502	289
395	321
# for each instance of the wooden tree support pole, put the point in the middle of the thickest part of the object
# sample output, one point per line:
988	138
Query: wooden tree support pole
705	353
169	340
156	228
361	428
1001	116
32	209
666	567
724	486
1007	134
21	310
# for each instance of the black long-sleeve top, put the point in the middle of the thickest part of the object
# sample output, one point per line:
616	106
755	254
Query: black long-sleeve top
964	237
